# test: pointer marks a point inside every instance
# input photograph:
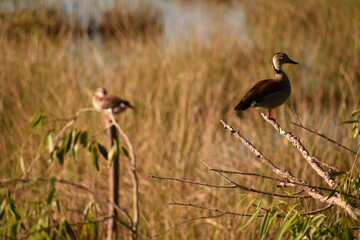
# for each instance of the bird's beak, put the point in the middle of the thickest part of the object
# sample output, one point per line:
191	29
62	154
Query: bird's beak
292	62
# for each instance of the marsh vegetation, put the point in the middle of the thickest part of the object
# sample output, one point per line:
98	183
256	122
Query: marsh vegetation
181	89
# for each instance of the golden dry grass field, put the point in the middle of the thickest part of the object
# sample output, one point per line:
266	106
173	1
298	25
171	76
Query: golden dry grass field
180	94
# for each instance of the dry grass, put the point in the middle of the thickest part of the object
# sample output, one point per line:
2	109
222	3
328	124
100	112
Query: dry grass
180	95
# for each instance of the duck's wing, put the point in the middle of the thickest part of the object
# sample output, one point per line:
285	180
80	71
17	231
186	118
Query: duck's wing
114	101
257	93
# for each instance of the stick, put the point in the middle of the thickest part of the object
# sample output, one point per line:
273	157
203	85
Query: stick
114	179
325	137
354	212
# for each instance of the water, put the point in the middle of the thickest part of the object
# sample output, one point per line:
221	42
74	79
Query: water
182	21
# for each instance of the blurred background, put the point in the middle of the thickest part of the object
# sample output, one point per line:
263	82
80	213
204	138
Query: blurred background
184	65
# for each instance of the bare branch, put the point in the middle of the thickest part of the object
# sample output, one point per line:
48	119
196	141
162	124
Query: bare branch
234	185
285	182
316	211
325	137
258	154
215	209
254	190
354	212
223	213
313	161
193	182
246	214
78	186
133	174
186	221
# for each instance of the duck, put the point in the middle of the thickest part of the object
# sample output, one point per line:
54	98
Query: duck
114	104
269	93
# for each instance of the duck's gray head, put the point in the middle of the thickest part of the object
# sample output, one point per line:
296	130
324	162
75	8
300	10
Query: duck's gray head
281	58
100	92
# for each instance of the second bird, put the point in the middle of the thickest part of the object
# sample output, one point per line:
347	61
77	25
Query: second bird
269	93
103	101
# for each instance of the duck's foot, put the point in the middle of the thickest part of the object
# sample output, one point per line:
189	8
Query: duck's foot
269	117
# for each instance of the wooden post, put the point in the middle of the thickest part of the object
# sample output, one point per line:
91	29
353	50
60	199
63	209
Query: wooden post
114	180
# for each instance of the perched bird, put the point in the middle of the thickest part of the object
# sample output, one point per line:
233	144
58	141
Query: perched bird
103	101
269	93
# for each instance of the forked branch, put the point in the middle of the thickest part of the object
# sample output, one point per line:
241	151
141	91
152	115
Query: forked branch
313	161
354	212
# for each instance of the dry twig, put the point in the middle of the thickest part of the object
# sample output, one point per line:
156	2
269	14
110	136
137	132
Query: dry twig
234	185
284	182
223	213
325	137
313	161
246	214
354	212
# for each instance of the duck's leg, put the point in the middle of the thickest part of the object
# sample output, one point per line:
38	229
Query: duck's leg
269	114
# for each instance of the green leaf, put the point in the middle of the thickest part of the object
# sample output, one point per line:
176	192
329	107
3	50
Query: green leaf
355	112
17	213
2	207
349	122
50	142
22	165
113	153
87	210
268	221
60	155
316	222
347	233
51	194
102	150
37	120
94	229
84	138
253	217
68	141
264	224
69	231
331	195
286	225
126	152
334	174
84	232
94	155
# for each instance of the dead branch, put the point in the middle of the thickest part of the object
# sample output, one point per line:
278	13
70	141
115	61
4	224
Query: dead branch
251	189
193	182
134	177
325	137
354	212
233	185
215	209
284	182
114	180
223	213
186	221
246	214
258	154
313	161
